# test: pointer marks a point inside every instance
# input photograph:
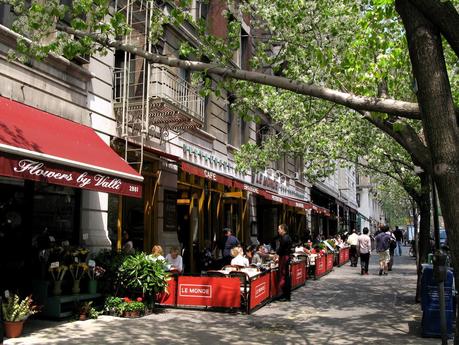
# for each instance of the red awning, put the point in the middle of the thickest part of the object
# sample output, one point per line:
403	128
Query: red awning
248	187
321	210
300	204
38	146
275	197
207	174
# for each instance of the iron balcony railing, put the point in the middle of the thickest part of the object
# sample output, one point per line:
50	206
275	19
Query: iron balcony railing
164	86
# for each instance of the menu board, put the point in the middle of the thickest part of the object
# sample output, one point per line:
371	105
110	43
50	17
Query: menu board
170	210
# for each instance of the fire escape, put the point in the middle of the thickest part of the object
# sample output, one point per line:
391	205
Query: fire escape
150	100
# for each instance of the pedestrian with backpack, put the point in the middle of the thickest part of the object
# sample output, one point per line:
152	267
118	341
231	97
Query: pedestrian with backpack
382	242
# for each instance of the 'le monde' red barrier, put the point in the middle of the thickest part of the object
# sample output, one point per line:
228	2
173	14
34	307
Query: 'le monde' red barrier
259	290
330	259
298	274
225	292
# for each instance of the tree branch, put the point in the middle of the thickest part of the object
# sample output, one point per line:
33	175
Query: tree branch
444	16
407	138
373	104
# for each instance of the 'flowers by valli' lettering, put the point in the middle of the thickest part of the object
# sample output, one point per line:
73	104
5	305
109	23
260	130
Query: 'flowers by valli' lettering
107	182
36	168
83	180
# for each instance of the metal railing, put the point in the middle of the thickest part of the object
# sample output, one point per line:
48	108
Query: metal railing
165	85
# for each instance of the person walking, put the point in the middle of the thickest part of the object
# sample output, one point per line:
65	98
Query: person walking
283	252
382	243
229	242
364	249
392	247
352	240
398	233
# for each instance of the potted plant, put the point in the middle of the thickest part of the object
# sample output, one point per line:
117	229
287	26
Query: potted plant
138	273
87	311
15	312
132	308
114	306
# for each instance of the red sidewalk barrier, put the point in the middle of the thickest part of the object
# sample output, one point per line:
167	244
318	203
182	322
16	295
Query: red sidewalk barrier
259	290
329	263
209	292
298	274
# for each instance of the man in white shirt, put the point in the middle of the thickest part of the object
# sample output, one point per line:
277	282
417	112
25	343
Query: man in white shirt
352	240
364	247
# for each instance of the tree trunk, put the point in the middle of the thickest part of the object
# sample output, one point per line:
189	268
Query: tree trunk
424	205
438	116
423	249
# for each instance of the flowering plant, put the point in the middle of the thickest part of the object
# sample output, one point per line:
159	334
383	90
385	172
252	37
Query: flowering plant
77	270
130	305
79	254
58	272
95	272
118	306
16	310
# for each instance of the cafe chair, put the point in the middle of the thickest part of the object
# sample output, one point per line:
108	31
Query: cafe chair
244	287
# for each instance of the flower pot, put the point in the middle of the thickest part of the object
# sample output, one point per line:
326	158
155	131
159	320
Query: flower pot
83	317
76	286
13	329
92	286
57	287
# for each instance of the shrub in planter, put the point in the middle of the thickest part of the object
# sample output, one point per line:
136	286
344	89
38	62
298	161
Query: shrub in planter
139	273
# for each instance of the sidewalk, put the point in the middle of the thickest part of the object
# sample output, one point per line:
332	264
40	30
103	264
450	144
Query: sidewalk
340	308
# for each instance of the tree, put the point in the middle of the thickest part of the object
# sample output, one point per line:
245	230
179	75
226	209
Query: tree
354	47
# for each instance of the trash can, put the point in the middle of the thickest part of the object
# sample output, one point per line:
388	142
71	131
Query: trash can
430	303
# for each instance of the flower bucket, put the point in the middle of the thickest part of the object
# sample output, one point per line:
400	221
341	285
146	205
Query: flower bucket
92	286
13	329
76	286
57	287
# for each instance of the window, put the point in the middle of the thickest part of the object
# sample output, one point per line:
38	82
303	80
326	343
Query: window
199	9
237	127
6	15
241	56
358	199
263	134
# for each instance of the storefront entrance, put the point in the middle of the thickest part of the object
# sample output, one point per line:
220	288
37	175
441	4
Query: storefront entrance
33	216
